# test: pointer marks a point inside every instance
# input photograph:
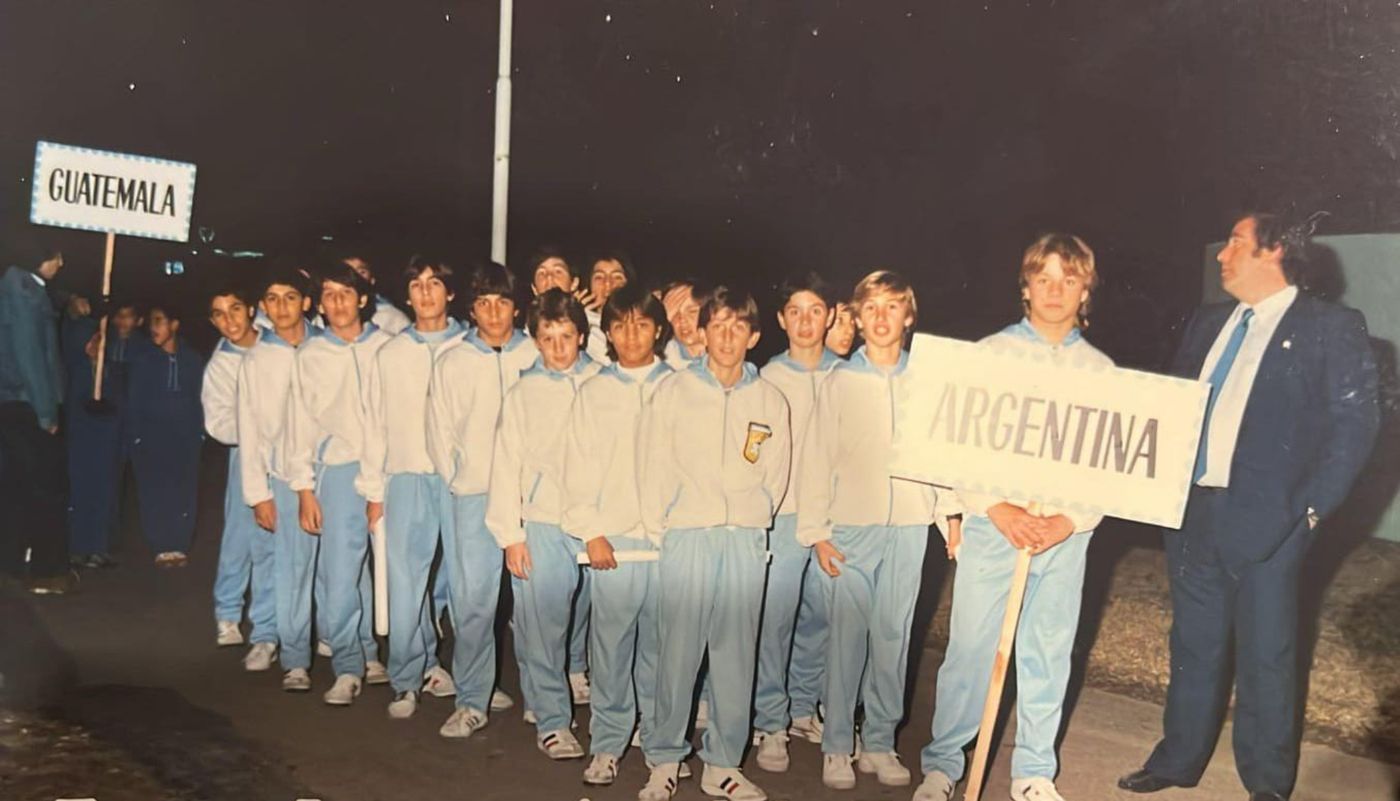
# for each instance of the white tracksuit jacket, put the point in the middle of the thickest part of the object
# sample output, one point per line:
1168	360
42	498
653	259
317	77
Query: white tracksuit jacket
844	477
388	317
527	466
396	407
600	455
799	386
264	382
470	380
326	407
708	456
677	357
218	393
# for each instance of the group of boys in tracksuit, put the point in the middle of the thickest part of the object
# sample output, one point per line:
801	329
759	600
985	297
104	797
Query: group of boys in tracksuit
746	557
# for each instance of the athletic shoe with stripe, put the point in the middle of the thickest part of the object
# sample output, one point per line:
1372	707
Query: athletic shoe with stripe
560	744
464	722
661	785
601	770
729	783
438	683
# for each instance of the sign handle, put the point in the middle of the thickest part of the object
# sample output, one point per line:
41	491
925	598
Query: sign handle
978	773
102	325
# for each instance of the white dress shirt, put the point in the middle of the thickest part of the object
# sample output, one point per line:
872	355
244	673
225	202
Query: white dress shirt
1228	412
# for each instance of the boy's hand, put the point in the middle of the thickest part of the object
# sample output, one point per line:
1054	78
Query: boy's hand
265	515
1020	528
586	299
673	300
954	537
827	557
310	512
600	554
518	560
374	511
1057	529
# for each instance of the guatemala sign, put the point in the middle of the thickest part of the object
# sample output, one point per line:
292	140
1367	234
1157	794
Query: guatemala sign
97	190
1012	424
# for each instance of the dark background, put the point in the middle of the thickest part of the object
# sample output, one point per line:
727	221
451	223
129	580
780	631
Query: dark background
733	138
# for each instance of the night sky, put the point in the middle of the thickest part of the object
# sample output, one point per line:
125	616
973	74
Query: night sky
735	138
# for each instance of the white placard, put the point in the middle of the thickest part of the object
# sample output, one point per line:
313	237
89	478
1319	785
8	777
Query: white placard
98	190
1011	424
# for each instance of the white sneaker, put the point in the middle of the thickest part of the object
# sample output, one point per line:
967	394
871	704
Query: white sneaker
1036	788
375	672
807	728
343	692
228	633
730	783
404	705
438	683
661	785
561	744
702	714
464	722
500	702
260	656
937	786
601	770
837	773
773	751
579	688
887	768
530	717
323	648
296	680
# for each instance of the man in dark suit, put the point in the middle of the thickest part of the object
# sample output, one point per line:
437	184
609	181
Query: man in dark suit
1292	416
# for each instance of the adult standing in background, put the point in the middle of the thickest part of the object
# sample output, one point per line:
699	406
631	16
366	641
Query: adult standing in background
1292	416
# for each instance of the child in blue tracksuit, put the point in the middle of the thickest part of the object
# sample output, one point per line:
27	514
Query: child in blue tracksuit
1057	277
96	447
714	451
523	513
398	480
245	551
325	445
602	509
793	630
165	431
869	531
469	382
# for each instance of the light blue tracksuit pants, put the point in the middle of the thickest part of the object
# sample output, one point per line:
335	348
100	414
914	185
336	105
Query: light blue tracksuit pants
417	512
578	630
807	669
245	553
294	561
710	597
1044	640
473	562
540	622
871	609
781	604
622	650
344	564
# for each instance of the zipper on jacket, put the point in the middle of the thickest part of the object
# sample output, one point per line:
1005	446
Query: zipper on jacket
723	430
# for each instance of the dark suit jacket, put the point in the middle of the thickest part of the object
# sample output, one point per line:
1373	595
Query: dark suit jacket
1308	426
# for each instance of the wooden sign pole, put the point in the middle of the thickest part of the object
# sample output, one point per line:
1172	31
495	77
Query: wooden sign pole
102	325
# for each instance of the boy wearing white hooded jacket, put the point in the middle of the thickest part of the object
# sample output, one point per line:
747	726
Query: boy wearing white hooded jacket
713	452
869	531
524	509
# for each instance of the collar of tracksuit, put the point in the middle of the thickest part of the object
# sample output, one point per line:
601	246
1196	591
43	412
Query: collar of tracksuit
1024	330
701	367
453	329
270	335
827	360
860	361
327	334
228	347
658	369
473	338
539	368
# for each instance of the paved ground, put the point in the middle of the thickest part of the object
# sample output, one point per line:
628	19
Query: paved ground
125	673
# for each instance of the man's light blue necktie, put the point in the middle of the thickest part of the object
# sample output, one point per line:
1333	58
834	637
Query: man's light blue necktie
1217	380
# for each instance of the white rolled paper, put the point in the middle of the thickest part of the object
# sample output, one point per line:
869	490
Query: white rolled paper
380	545
626	556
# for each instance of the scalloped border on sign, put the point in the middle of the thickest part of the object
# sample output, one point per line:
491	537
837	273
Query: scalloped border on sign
43	146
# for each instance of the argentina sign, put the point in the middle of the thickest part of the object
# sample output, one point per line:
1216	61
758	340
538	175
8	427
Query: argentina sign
98	190
1017	425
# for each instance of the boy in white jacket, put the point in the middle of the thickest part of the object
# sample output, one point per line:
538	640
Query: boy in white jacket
601	508
244	552
523	512
402	488
1057	278
683	300
780	698
869	531
713	452
325	444
264	381
469	382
